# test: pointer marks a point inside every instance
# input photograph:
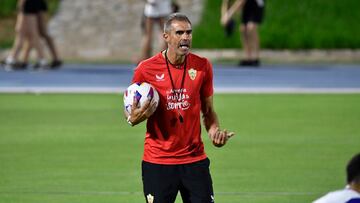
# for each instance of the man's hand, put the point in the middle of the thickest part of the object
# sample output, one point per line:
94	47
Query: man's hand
139	114
224	19
220	137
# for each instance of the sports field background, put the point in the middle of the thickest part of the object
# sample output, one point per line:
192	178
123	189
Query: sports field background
305	24
59	148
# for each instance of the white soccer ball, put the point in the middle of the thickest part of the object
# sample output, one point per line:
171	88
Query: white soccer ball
142	92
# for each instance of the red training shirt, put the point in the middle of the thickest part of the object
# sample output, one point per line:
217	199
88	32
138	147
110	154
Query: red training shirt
167	140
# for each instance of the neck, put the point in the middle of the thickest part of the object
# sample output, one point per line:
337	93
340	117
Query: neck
355	187
173	58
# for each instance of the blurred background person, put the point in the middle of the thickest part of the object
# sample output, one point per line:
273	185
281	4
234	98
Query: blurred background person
26	32
252	12
227	18
155	12
30	29
351	193
41	17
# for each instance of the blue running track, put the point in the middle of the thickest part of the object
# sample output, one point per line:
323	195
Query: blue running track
114	78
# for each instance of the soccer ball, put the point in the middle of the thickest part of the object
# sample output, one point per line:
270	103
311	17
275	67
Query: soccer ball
142	92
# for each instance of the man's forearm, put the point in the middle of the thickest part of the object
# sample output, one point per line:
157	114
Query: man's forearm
211	122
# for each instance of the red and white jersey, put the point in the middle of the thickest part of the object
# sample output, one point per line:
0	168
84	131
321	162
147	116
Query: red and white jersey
167	140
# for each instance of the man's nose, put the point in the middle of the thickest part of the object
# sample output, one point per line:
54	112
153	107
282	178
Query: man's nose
186	35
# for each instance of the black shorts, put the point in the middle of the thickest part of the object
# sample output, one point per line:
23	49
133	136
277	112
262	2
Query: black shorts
162	182
34	6
252	12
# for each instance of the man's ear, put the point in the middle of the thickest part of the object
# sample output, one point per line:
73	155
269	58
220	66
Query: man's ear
166	36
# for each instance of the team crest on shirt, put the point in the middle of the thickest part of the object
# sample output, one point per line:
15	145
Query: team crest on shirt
192	73
150	198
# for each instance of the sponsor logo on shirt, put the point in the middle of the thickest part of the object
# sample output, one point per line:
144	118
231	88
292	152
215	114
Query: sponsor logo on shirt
160	77
177	99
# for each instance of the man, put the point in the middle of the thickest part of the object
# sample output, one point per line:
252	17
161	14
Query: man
351	193
174	158
251	18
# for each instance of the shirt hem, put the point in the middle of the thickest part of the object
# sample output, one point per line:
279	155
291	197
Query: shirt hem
175	162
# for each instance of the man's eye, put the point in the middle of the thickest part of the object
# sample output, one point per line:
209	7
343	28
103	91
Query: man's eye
188	32
179	32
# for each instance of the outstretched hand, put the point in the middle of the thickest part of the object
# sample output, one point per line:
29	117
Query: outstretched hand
139	114
220	137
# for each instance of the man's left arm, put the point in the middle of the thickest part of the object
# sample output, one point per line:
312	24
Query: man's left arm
219	137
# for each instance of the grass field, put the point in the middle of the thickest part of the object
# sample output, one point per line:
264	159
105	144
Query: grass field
58	148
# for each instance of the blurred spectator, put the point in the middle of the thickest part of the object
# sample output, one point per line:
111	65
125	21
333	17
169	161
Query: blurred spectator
351	193
30	28
155	12
227	19
41	17
26	32
251	17
175	6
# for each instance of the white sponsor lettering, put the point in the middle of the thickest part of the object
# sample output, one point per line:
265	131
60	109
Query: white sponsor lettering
177	99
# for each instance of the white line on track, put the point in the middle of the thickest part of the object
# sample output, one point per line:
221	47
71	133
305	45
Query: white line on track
40	90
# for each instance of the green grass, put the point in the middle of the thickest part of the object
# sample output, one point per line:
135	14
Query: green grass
58	148
305	24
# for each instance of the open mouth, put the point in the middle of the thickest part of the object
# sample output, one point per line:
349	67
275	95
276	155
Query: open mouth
184	45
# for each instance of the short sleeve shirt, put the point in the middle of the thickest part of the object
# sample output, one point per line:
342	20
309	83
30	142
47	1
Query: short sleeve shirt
167	139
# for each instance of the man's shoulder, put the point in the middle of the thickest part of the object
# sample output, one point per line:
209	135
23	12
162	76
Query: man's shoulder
153	61
199	60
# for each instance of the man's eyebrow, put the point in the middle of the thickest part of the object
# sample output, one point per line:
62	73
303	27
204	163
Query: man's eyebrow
189	30
183	30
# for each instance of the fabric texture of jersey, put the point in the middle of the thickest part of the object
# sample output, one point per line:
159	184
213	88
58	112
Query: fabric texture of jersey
157	8
346	195
168	140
